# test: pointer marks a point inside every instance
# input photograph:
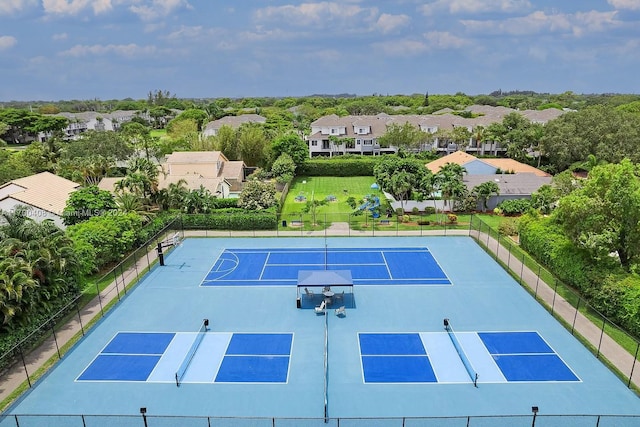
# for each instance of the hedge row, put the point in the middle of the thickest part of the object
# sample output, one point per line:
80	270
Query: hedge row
232	219
339	166
607	288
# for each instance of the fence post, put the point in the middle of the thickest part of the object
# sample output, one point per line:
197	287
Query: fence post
55	339
535	294
79	317
488	235
635	358
509	258
99	298
497	248
575	316
604	323
521	268
26	371
555	292
115	278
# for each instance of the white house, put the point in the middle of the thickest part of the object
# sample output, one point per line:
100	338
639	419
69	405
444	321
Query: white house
44	195
333	135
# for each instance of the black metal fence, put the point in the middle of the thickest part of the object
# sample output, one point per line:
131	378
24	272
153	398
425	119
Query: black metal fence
594	330
23	365
145	420
58	334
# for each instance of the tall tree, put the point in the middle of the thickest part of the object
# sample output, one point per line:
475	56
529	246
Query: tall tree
400	176
291	144
603	215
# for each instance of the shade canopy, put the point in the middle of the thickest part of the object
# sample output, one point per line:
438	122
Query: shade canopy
311	278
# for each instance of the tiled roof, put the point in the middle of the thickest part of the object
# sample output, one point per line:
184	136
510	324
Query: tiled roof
508	165
195	157
45	190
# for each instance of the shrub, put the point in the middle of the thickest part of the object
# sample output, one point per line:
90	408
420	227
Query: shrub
452	218
423	222
429	210
508	227
415	211
515	206
406	218
339	166
399	211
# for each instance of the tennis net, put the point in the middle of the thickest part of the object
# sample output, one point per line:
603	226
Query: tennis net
192	351
465	361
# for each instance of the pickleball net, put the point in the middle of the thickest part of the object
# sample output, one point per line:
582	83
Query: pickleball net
192	351
463	357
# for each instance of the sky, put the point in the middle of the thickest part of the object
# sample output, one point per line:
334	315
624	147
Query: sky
53	50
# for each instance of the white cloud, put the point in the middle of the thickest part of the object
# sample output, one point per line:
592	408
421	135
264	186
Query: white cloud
11	6
444	40
7	42
625	4
60	36
155	9
65	7
145	9
539	22
128	50
404	47
476	6
387	23
317	14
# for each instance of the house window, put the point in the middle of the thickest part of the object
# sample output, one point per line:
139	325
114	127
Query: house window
314	143
334	131
368	142
358	141
325	145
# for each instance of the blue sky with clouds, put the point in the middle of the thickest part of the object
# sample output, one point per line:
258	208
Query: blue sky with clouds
115	49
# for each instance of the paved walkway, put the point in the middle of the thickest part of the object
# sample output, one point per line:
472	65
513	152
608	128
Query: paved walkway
608	348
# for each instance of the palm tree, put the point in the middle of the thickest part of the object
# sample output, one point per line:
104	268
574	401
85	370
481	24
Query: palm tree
449	181
484	191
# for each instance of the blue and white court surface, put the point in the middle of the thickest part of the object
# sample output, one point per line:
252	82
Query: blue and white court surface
433	328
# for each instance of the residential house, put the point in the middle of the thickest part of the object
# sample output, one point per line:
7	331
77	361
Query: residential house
333	135
515	180
91	120
234	122
44	195
208	169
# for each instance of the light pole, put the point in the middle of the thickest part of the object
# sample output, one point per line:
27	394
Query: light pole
143	411
534	409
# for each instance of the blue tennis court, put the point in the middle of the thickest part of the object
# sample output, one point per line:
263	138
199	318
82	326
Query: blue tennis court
422	358
376	266
264	360
222	358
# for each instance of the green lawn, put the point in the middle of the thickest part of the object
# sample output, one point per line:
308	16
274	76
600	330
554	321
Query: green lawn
319	188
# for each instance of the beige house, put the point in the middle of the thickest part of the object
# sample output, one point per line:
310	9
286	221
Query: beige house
209	169
44	195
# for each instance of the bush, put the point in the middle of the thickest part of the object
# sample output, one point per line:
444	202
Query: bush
514	207
508	227
452	218
423	222
232	219
429	210
339	166
406	218
399	211
415	211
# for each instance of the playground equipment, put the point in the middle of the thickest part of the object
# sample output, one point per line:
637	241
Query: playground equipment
372	203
